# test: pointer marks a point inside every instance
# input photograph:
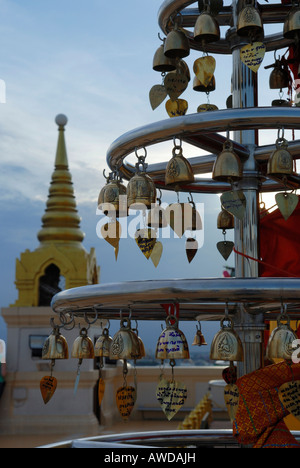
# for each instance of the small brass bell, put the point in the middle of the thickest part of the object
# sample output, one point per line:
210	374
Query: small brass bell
249	22
199	339
279	78
291	28
281	161
113	197
125	344
56	346
103	344
157	217
225	220
176	43
200	87
281	340
172	343
83	347
142	351
193	222
228	166
141	190
206	28
178	171
226	345
162	63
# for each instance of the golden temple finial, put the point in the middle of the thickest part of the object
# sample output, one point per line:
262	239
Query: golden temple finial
61	222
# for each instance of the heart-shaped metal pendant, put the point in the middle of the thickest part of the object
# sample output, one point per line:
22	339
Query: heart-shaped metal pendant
225	248
231	397
289	395
48	386
156	253
145	239
204	68
125	399
252	55
235	203
157	96
176	108
287	203
171	396
175	84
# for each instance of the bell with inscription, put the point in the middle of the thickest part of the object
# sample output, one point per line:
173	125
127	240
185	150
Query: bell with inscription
141	190
172	343
250	23
112	198
179	171
226	345
125	344
281	161
280	345
227	167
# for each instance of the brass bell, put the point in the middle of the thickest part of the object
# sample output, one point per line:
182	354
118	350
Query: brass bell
199	339
83	347
200	87
193	221
176	43
125	344
103	344
178	171
172	343
162	63
227	345
113	197
142	351
281	340
249	22
281	161
279	78
141	190
227	166
206	28
291	28
225	220
56	346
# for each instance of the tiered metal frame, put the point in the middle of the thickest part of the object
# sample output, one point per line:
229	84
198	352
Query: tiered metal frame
251	300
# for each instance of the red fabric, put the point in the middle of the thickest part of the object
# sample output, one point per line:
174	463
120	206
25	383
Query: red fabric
280	244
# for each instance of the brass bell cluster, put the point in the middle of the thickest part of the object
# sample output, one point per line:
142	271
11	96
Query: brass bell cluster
280	344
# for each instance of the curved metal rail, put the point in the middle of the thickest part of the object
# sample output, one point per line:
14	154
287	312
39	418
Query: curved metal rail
202	130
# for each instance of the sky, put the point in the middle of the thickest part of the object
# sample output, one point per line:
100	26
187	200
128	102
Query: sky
91	61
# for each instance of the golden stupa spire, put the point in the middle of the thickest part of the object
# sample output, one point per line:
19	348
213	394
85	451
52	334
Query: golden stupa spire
61	222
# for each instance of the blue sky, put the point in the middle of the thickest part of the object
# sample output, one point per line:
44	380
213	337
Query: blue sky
91	60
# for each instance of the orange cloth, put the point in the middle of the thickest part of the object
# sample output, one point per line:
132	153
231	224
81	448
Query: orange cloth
259	419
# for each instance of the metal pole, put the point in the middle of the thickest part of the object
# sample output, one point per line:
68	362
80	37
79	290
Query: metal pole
249	327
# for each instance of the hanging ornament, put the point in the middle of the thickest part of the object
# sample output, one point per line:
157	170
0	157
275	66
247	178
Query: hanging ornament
191	248
178	171
125	344
141	190
199	339
252	55
193	221
227	345
111	232
156	253
175	84
206	108
125	396
177	107
146	240
289	395
225	221
204	68
157	216
291	28
83	348
280	163
112	198
249	22
102	350
157	95
231	391
172	343
227	167
280	344
55	347
287	203
206	28
162	63
171	395
176	44
235	203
